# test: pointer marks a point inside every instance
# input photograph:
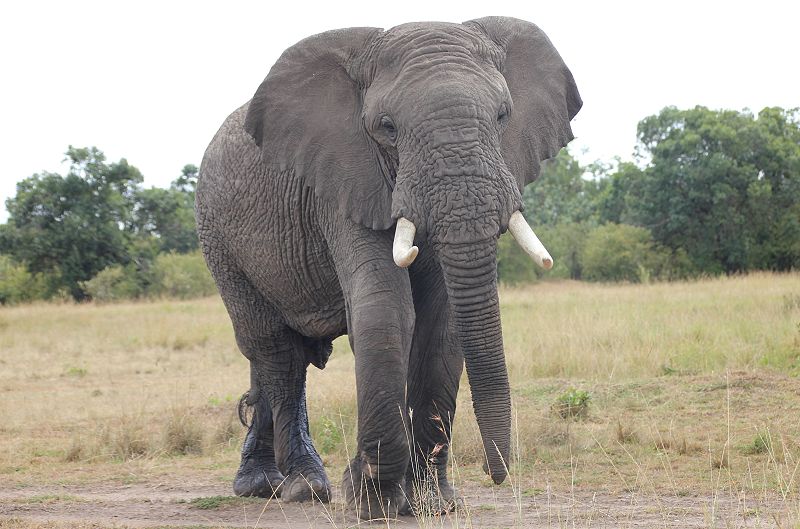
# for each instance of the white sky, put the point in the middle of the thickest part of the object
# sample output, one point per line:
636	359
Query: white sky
152	81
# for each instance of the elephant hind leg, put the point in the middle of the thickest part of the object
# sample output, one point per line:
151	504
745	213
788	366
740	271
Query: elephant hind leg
278	443
258	473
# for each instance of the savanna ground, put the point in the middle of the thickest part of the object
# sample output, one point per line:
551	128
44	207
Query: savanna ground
686	395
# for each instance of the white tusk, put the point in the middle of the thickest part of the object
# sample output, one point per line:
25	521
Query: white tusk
404	251
528	240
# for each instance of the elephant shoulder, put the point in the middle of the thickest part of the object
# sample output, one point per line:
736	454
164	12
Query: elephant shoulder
232	162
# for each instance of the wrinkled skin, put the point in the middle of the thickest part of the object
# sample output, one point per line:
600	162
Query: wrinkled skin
299	191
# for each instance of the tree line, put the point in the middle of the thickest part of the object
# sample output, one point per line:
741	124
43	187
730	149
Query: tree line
96	232
710	192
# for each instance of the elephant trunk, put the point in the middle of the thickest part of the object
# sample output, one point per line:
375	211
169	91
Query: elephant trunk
470	274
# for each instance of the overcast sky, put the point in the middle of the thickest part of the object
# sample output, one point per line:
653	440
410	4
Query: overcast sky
152	81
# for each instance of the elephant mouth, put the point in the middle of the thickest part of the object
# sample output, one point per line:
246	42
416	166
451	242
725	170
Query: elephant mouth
404	252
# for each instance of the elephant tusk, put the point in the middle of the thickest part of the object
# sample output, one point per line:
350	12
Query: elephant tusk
528	240
404	251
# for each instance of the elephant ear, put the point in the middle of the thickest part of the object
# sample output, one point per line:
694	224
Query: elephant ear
543	92
306	117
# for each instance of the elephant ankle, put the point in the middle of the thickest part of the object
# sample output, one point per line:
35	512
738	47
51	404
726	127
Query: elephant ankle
306	464
381	468
428	487
372	498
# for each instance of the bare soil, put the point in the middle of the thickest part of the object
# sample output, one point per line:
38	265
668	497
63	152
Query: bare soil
175	504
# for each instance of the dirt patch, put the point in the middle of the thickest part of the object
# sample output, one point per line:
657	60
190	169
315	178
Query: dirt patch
176	505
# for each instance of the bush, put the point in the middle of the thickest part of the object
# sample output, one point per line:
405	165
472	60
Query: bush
113	283
18	285
574	403
170	275
181	276
513	265
564	242
618	252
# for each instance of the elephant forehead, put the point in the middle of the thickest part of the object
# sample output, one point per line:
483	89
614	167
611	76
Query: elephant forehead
437	87
416	41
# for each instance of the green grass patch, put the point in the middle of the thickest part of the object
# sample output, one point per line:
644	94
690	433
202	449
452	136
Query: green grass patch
221	502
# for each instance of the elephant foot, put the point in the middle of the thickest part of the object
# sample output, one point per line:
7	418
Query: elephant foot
429	491
372	499
307	486
262	480
433	498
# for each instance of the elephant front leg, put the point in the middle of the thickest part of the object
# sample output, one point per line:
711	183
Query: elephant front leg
381	321
435	367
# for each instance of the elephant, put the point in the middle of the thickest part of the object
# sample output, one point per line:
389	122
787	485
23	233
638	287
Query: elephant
362	191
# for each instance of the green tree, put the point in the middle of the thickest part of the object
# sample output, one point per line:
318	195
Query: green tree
166	216
561	193
722	185
616	191
71	227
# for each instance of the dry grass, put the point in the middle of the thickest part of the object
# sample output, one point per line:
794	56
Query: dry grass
615	332
693	388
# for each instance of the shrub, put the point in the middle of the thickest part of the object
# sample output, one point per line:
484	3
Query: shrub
113	283
565	243
618	252
513	265
18	285
574	403
181	276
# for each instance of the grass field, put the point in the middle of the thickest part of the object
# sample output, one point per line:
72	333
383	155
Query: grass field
688	409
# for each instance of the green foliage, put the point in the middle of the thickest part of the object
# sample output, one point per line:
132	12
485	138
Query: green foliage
762	444
167	215
328	435
560	194
113	283
513	265
93	232
18	285
181	276
221	502
573	403
566	243
618	252
722	185
713	191
70	226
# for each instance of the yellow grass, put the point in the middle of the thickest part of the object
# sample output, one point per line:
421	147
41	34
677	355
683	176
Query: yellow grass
693	388
615	332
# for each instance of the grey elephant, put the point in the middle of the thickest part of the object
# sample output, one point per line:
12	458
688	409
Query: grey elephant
362	191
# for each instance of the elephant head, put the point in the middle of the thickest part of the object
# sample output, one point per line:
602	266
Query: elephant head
434	127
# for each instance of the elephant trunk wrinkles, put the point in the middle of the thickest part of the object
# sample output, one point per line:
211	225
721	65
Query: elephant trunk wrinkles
471	282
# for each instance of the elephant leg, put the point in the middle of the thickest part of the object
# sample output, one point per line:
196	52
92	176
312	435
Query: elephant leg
380	325
278	443
258	473
435	366
279	371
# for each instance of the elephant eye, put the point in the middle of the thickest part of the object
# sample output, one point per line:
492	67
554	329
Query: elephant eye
388	127
502	114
